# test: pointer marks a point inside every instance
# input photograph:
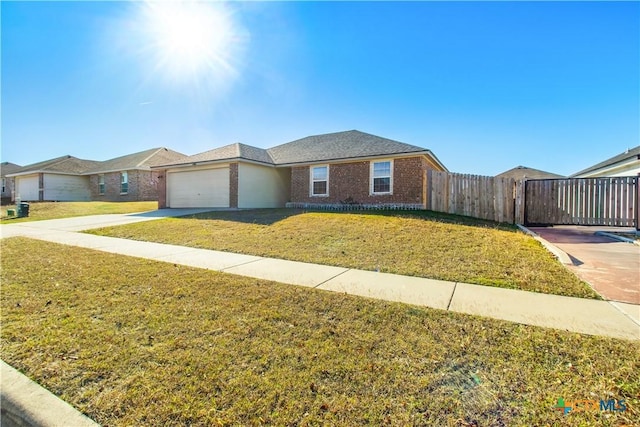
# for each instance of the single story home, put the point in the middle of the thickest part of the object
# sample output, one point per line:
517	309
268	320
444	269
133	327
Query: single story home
57	179
623	164
67	178
8	183
129	178
329	170
523	173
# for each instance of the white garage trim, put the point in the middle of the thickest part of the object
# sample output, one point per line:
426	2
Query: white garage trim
28	188
198	188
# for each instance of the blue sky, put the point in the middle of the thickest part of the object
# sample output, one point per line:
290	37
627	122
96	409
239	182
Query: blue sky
485	85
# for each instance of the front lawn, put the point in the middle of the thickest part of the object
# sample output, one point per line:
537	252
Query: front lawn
421	244
54	210
140	342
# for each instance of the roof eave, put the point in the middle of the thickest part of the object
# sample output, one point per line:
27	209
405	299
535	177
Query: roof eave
99	172
363	158
43	171
210	162
619	163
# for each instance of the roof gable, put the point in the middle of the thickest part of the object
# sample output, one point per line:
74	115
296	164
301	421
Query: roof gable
141	160
7	168
524	172
64	164
337	146
234	151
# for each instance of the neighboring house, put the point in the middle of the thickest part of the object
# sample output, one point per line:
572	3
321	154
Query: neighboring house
334	169
129	178
624	164
7	168
67	178
524	173
58	179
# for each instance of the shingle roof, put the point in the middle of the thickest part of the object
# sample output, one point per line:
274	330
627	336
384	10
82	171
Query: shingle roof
228	152
318	148
339	145
65	165
142	160
629	154
522	172
7	167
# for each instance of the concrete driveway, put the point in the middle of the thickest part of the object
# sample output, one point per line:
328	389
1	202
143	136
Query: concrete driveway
80	223
611	267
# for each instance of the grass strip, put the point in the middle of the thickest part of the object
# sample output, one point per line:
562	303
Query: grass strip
423	244
54	210
139	342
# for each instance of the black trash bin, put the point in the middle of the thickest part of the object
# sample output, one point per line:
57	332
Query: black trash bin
23	210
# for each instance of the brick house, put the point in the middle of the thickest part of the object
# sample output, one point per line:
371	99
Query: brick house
129	178
67	178
58	179
8	183
330	170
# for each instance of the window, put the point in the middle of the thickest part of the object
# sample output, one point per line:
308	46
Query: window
4	184
101	184
124	183
320	181
381	177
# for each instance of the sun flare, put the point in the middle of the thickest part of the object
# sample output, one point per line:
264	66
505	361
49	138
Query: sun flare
189	41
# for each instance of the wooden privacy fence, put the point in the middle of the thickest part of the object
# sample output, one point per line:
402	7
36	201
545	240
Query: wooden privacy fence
582	201
485	197
609	201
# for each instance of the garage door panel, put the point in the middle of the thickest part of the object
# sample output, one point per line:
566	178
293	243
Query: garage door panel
206	188
28	188
66	188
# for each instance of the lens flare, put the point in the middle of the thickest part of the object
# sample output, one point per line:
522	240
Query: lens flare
187	42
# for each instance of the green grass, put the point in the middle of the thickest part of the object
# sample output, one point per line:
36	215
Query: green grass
139	342
54	210
421	244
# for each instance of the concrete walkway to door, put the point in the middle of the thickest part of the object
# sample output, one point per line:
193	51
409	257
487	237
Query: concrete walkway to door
610	266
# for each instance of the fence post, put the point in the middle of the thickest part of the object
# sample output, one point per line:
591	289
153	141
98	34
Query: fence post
637	207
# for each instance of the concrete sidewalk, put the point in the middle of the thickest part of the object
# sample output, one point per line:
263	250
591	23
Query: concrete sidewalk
592	317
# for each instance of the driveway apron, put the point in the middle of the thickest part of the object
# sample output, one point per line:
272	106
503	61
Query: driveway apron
610	266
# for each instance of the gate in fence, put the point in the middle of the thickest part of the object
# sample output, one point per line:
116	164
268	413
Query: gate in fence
609	201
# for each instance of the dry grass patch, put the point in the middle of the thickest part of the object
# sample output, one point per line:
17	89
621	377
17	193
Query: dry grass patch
139	342
55	210
421	244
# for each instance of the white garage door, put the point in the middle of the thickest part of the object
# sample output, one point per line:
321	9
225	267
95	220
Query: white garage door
27	188
206	188
66	188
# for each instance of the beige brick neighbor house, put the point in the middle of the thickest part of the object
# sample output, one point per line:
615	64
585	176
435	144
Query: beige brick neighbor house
333	170
67	178
129	178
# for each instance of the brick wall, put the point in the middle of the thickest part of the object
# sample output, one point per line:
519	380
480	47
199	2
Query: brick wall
143	186
351	181
162	189
233	185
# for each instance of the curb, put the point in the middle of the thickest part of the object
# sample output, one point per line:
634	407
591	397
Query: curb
25	403
616	237
559	253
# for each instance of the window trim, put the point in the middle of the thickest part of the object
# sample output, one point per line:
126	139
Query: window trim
101	184
371	177
124	180
311	181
